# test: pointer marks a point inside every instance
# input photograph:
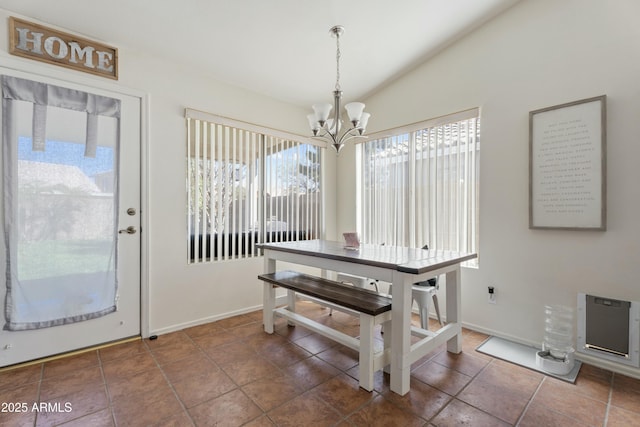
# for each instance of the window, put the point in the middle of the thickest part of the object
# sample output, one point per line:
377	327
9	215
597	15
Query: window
60	151
247	185
418	185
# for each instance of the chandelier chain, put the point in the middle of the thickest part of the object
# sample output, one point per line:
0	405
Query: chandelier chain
338	61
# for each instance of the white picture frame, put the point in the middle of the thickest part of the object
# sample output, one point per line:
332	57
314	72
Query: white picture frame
567	166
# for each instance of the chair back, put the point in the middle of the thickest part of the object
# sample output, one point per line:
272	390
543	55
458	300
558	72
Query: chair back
430	282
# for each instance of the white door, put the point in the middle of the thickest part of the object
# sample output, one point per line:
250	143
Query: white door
81	255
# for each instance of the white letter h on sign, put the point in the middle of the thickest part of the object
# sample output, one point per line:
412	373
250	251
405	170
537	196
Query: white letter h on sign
23	39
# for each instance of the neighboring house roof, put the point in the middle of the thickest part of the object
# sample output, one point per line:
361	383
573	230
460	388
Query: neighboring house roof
54	178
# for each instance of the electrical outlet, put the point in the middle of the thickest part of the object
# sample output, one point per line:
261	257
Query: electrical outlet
492	295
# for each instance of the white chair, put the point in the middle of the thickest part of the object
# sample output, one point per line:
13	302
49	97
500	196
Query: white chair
358	282
420	292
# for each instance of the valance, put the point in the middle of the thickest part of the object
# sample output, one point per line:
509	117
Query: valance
42	95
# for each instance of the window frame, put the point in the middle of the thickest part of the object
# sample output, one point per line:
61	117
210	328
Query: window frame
259	149
410	200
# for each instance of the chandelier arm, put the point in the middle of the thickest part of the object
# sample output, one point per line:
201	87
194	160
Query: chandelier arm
327	136
348	135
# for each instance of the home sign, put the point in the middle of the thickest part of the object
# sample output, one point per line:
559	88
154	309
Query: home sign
44	44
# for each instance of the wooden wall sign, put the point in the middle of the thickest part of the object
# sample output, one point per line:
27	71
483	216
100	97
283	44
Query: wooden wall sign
44	44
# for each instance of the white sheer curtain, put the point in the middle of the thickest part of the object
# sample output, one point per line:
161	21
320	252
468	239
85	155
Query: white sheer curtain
60	157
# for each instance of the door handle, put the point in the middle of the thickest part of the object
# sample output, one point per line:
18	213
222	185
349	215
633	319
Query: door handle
129	230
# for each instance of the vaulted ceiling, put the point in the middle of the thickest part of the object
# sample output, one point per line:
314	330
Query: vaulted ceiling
280	48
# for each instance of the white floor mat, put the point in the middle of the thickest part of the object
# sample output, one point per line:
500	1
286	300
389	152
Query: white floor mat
522	355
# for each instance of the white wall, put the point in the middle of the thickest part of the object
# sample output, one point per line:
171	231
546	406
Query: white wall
539	53
182	295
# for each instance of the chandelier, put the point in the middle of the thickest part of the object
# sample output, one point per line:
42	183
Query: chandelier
330	129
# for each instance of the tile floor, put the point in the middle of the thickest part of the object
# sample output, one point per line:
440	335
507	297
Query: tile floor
230	373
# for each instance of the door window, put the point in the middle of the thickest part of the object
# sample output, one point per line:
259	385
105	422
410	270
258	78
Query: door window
61	190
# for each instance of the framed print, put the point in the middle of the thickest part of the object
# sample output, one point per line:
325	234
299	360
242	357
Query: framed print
567	166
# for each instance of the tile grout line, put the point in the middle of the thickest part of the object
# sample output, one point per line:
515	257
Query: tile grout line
35	419
530	402
164	375
311	355
106	389
303	392
238	387
609	399
375	394
451	397
455	396
342	419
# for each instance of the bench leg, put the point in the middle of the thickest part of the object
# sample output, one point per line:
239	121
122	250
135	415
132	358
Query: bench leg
386	326
366	352
291	304
268	305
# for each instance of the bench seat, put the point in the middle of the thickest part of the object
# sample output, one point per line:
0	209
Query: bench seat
372	309
357	299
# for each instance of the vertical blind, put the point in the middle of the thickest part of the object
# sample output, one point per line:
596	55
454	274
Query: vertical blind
418	184
247	185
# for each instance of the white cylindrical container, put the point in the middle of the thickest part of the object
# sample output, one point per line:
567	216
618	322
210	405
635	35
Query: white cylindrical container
557	355
558	331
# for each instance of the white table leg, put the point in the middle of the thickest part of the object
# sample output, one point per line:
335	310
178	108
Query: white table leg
268	305
268	295
454	308
366	352
400	333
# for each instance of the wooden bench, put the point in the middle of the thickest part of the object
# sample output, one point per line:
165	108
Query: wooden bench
370	307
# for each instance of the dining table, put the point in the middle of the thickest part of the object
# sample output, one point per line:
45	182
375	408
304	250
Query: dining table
400	266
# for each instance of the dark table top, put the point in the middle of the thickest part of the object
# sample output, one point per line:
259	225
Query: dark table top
407	260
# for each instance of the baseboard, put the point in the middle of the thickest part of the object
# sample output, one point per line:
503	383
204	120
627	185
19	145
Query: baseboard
202	321
280	300
486	331
594	361
629	371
